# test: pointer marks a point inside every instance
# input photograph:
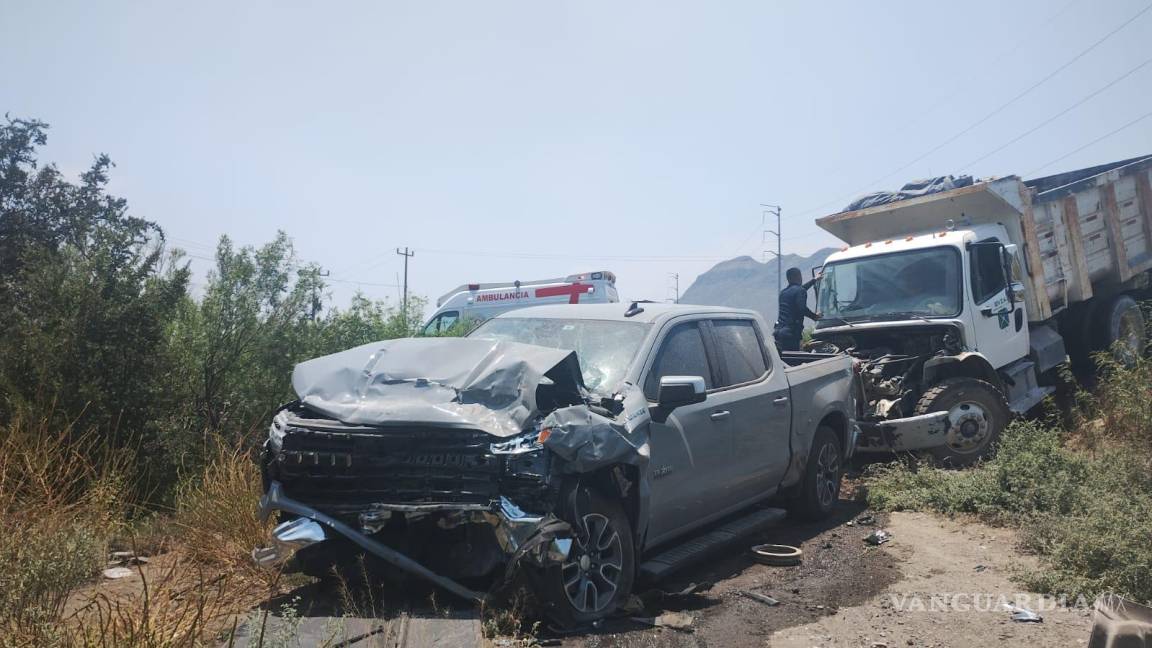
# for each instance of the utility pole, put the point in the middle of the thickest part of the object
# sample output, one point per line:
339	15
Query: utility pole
316	274
774	209
675	276
404	304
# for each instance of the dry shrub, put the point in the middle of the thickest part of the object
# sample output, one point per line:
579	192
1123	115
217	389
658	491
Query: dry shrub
217	515
61	495
180	605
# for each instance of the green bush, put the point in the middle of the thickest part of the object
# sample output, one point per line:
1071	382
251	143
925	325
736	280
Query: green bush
1081	496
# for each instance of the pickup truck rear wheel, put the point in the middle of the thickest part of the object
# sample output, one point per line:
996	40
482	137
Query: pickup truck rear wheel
977	414
820	487
601	566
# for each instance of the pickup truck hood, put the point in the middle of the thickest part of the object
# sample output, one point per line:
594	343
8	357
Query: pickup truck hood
458	382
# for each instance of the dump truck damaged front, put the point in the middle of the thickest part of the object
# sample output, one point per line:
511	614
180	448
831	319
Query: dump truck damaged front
445	457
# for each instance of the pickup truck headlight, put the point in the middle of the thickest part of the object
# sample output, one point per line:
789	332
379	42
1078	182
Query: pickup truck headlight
530	441
277	431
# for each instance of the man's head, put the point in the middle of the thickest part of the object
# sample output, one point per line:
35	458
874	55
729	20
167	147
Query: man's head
795	276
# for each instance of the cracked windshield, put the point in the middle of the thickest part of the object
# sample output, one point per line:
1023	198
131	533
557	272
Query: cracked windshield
605	349
923	283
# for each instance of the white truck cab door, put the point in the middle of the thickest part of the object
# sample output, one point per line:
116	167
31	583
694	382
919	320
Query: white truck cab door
998	316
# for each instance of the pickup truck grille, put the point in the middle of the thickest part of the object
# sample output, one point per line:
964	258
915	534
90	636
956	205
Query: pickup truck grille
335	470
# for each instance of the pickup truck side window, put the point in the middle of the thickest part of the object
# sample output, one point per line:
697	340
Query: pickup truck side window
681	354
739	350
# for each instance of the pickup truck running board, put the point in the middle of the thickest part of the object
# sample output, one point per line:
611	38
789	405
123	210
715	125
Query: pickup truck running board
698	547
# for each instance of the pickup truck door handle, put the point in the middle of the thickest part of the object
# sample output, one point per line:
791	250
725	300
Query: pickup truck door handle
719	416
780	401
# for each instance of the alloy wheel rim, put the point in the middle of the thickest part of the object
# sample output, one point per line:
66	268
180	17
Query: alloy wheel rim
592	573
1130	337
827	471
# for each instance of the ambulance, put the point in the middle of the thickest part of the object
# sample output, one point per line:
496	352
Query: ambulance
477	302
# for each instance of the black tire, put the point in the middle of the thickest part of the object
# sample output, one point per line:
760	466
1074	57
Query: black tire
1122	321
597	577
979	413
819	489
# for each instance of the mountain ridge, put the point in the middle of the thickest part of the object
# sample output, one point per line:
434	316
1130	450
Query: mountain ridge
744	282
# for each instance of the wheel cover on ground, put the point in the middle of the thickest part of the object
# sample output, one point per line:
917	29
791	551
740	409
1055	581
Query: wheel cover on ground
827	474
969	427
595	567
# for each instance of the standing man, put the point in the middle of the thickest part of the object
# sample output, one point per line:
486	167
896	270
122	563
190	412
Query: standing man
793	309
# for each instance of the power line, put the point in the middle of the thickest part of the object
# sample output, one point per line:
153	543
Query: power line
1057	115
1097	140
577	257
993	113
959	88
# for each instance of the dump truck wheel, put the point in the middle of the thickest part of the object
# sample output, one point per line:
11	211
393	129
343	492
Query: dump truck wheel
977	414
597	576
1123	330
819	490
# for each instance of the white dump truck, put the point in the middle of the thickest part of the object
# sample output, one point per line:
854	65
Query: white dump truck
960	304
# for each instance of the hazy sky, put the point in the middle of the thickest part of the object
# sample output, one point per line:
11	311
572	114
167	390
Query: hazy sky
520	140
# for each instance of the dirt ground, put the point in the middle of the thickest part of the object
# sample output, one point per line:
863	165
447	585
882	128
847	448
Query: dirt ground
847	593
938	582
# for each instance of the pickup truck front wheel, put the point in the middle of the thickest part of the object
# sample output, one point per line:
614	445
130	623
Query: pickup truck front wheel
820	488
601	566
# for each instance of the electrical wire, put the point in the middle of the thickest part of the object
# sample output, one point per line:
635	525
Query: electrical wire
995	111
1095	141
1057	115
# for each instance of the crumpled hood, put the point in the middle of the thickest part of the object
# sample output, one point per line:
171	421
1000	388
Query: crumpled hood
464	382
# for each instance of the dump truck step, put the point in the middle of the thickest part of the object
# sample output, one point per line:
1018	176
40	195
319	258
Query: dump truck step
700	546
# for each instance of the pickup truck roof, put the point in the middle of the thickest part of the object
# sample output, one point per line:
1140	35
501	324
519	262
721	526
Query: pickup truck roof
652	312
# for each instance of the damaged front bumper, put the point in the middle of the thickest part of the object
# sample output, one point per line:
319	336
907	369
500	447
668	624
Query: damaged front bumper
541	539
911	433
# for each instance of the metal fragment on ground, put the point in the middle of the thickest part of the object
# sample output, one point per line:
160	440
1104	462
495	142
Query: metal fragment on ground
878	537
761	598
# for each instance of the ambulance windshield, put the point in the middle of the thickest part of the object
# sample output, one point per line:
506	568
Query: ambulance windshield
605	348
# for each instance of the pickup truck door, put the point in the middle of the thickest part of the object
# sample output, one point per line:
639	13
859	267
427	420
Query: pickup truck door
756	396
691	451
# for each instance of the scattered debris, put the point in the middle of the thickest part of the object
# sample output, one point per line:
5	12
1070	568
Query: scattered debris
878	537
115	573
777	555
1023	614
866	520
673	620
762	598
980	568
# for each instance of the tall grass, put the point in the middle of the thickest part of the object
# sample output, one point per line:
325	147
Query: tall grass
59	494
64	502
1080	492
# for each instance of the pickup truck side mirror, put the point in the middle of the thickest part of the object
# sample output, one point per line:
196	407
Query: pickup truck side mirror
677	391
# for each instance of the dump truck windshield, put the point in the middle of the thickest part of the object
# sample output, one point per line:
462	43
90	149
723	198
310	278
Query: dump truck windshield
918	283
605	348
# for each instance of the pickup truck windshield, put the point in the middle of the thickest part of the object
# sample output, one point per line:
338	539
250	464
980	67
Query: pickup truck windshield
918	283
605	348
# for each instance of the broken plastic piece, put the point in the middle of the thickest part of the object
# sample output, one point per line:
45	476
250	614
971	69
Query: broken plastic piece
762	598
878	537
777	555
1023	614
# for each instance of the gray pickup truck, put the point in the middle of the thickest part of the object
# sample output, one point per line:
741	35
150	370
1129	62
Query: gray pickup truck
579	445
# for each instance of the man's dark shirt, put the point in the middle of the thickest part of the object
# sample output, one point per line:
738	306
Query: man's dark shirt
793	310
